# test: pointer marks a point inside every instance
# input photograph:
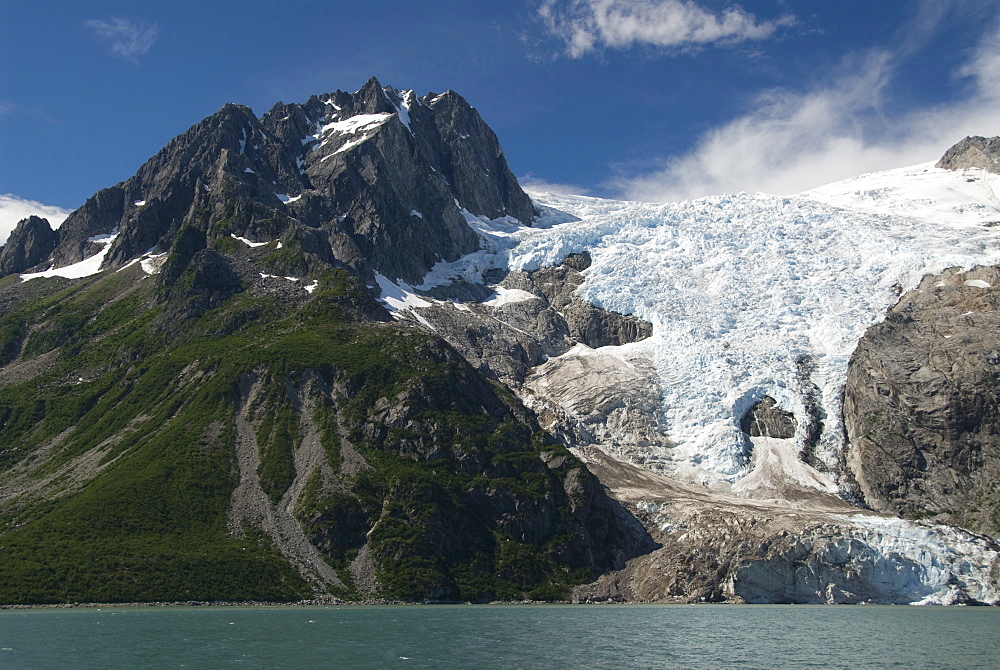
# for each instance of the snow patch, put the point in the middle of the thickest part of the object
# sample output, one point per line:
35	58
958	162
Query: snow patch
139	203
415	213
347	147
285	199
497	236
355	124
246	241
403	109
398	297
151	263
505	296
922	191
86	267
309	288
976	283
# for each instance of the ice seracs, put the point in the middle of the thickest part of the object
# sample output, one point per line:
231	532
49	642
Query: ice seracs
755	295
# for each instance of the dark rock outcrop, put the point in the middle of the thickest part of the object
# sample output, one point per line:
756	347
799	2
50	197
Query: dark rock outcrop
212	281
29	244
411	486
922	403
767	419
973	152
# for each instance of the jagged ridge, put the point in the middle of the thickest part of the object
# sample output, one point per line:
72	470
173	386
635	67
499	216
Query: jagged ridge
373	180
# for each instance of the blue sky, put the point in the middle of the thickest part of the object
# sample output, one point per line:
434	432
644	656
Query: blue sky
646	99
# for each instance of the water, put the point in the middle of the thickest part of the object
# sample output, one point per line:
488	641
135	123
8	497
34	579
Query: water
504	636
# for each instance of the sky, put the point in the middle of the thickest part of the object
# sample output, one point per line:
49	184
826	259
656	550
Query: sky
654	100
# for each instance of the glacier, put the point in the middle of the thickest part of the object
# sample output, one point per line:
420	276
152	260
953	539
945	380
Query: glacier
743	289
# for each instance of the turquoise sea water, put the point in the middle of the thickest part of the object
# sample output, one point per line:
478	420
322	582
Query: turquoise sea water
503	636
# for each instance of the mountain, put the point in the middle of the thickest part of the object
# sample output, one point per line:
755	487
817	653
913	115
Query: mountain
336	352
202	400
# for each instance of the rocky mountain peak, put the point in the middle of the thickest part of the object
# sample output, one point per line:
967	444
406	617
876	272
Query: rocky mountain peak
29	244
973	152
379	180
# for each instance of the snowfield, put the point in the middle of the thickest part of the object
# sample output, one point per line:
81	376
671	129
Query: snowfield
86	267
747	291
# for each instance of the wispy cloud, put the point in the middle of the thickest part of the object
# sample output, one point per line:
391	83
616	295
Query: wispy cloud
129	39
532	183
794	141
589	25
14	208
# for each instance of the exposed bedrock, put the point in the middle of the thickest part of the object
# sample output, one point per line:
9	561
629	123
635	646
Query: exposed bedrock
350	179
29	244
767	419
922	403
973	152
587	397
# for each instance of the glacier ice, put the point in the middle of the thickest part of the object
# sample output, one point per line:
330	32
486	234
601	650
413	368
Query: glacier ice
746	291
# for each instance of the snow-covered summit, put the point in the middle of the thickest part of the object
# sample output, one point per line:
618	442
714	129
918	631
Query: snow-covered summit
969	197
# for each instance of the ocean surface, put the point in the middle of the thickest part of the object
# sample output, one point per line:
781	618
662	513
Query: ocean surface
503	636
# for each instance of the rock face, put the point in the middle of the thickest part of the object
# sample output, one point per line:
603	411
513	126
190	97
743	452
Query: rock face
767	419
375	181
922	403
30	244
973	152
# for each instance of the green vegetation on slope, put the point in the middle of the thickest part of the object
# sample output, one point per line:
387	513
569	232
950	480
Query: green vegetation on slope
117	442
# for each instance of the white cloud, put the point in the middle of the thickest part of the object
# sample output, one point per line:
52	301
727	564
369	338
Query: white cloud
794	141
13	209
588	25
129	39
